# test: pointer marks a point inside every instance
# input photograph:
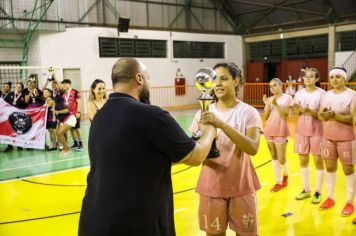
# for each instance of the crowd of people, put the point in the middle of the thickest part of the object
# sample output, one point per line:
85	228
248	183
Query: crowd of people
63	110
324	130
141	146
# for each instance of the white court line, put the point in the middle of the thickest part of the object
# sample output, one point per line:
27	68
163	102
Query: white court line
43	174
180	209
44	163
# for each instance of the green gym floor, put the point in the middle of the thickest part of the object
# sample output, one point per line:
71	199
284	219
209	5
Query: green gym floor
41	194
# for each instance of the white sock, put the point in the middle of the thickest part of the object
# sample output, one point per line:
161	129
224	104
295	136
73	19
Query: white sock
350	183
330	179
305	178
319	178
285	168
277	171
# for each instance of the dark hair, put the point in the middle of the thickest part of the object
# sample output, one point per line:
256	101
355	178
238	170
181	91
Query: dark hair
234	71
339	67
66	81
93	86
8	83
124	70
49	90
21	84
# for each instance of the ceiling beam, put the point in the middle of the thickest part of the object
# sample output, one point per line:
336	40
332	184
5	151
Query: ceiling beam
260	18
288	25
266	8
225	8
279	7
171	4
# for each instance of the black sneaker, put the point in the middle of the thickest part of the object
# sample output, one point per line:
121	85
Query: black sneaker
79	148
75	145
9	148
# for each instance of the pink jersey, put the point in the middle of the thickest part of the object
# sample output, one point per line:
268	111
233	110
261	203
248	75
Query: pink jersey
232	174
307	125
275	125
341	103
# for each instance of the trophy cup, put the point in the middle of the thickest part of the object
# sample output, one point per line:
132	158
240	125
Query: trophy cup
205	82
51	74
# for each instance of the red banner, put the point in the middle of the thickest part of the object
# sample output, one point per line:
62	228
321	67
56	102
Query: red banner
22	127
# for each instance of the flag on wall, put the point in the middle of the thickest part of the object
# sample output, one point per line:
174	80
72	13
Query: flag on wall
22	127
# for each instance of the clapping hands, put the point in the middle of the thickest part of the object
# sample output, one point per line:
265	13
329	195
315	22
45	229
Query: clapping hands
327	114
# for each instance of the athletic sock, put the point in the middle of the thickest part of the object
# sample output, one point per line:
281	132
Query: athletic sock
319	178
305	178
330	179
277	171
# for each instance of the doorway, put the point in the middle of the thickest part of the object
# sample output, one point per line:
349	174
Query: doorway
270	71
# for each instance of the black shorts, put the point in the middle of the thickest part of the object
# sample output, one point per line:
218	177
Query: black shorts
51	125
77	125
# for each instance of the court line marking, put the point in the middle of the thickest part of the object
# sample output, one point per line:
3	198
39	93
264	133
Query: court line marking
45	163
42	174
71	213
179	210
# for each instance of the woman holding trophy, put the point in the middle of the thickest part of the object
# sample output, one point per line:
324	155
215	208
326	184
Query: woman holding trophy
227	184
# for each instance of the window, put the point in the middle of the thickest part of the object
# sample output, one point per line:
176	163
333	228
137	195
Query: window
192	49
119	47
348	41
292	48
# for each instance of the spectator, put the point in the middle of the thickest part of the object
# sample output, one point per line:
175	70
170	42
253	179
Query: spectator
97	98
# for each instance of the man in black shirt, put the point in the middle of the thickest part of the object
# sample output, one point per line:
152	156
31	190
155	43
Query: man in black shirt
132	146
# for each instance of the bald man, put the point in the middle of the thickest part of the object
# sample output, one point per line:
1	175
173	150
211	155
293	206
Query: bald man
132	146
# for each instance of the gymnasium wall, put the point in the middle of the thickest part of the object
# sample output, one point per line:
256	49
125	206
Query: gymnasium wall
292	67
79	48
286	67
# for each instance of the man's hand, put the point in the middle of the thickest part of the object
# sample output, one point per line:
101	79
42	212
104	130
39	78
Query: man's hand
210	118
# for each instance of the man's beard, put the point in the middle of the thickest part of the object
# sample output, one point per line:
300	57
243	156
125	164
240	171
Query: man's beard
145	95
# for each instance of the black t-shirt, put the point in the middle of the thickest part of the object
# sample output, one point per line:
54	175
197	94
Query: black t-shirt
35	101
58	96
131	148
17	100
7	97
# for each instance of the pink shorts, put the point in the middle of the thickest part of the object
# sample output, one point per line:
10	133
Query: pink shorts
240	213
304	145
276	139
345	150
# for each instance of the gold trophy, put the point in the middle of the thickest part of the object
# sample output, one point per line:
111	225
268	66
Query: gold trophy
51	74
205	78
